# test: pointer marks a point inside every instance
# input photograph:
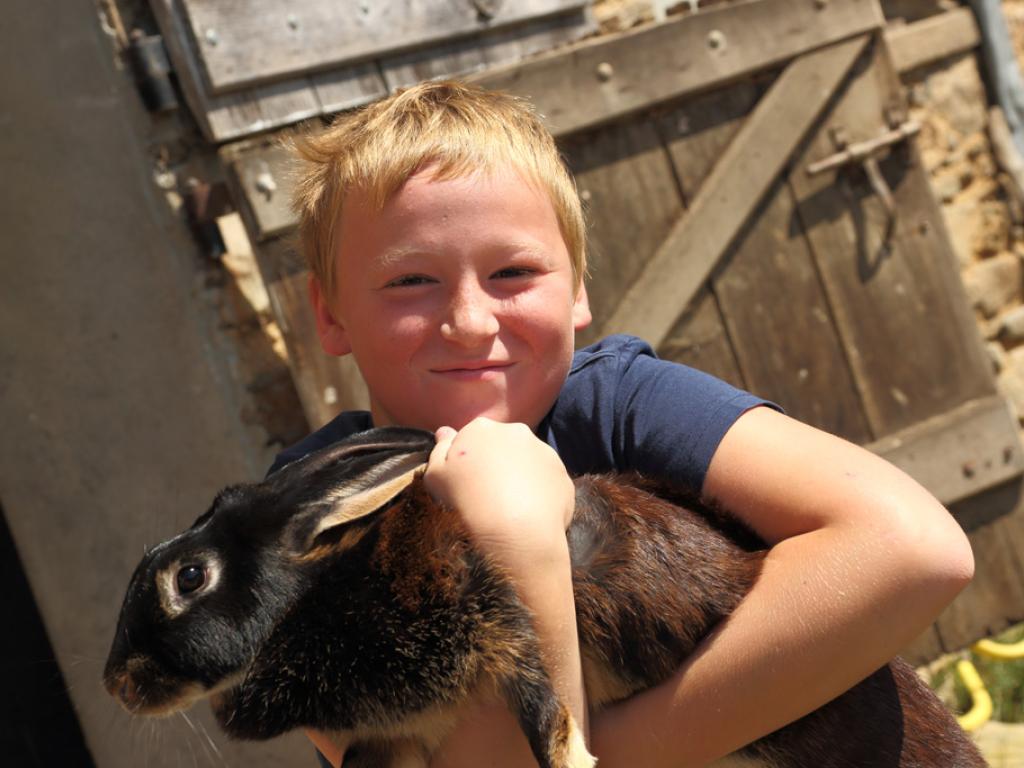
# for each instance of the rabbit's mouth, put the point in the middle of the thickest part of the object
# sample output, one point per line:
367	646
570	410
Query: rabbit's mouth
142	692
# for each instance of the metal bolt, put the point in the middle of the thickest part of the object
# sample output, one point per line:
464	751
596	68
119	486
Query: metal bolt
293	21
716	40
264	181
585	195
605	71
211	36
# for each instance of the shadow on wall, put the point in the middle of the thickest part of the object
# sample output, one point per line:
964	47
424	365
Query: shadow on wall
38	727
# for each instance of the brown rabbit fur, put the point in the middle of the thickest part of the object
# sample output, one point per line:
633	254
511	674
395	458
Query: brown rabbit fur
325	600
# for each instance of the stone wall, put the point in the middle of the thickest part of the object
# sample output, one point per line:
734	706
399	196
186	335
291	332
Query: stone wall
984	223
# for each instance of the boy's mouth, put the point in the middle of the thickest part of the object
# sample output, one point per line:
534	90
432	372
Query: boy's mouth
472	371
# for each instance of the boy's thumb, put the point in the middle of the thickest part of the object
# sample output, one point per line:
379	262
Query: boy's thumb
444	433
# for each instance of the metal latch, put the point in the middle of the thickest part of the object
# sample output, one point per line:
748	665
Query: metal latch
864	152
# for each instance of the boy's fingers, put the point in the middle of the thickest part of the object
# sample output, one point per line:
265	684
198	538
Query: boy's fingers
444	437
444	433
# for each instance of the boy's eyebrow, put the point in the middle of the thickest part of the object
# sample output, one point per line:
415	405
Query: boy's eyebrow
399	253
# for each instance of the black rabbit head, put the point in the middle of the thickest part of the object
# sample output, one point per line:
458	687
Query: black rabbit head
200	606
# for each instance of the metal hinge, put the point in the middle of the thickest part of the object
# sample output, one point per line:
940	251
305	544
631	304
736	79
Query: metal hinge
152	70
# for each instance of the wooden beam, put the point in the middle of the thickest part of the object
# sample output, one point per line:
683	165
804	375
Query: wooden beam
604	79
932	39
326	385
957	454
242	44
732	191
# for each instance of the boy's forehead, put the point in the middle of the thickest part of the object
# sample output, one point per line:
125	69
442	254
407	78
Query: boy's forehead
428	195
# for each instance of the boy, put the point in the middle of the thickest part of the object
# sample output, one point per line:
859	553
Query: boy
446	244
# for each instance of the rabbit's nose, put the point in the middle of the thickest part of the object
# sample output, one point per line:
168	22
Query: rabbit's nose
122	687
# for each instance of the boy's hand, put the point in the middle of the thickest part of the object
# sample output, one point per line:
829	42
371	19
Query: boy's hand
516	499
504	482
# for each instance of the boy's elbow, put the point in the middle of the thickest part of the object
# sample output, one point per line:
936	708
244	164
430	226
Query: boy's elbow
959	566
940	553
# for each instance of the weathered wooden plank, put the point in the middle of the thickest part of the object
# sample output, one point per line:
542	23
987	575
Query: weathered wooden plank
695	133
242	43
932	39
698	130
630	200
900	308
326	385
512	45
458	58
462	58
602	80
263	174
736	185
961	452
349	87
788	349
699	339
231	116
995	597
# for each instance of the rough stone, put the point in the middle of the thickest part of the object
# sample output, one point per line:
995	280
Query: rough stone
617	15
1010	329
957	92
947	183
997	355
1011	384
992	233
933	158
971	147
994	283
960	224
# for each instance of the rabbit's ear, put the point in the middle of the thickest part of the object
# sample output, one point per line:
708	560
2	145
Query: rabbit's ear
375	489
339	494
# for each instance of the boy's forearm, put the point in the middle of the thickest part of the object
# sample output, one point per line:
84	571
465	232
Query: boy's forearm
516	500
547	588
808	631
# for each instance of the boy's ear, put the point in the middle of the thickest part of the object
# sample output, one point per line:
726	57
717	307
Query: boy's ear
581	316
333	337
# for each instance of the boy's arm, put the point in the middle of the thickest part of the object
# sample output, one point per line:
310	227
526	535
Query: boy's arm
863	559
516	498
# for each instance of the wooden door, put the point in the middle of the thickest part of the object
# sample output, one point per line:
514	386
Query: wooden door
833	293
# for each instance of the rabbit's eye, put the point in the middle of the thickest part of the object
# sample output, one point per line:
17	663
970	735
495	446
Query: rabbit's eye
190	578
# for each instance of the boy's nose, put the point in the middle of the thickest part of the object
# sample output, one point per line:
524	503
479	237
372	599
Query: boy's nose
470	319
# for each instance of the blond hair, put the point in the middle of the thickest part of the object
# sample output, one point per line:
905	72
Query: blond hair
456	128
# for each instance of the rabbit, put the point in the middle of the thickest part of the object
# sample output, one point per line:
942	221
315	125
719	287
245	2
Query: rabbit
338	595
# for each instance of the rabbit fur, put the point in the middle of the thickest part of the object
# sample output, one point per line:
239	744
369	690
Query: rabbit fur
338	595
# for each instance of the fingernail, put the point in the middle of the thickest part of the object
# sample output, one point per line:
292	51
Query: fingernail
443	433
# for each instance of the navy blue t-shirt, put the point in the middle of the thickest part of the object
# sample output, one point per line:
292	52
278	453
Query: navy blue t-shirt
621	408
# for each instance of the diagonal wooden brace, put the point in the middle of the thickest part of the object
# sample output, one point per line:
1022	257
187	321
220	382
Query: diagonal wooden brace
732	191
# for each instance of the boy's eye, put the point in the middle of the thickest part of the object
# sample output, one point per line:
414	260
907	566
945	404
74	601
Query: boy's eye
407	280
513	272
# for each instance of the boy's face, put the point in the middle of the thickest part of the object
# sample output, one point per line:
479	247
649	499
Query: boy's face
457	299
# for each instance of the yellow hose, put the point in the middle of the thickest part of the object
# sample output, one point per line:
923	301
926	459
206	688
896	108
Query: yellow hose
1001	651
981	707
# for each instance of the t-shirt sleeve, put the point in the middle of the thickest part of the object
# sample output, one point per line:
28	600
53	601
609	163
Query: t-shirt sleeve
344	424
624	409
